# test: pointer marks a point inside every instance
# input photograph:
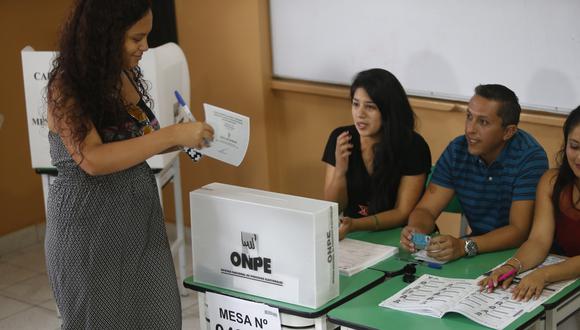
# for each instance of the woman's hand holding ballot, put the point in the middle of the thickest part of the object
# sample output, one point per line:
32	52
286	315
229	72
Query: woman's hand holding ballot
193	134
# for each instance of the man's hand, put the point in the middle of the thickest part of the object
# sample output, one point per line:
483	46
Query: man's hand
407	236
446	247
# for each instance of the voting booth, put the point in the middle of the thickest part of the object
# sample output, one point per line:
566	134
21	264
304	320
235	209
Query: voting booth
164	67
272	245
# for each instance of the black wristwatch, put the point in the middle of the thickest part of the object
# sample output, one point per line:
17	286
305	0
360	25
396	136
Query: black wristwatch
470	248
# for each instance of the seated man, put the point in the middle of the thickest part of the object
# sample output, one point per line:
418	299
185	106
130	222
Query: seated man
494	169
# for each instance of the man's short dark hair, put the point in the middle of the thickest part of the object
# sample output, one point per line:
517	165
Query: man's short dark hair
509	109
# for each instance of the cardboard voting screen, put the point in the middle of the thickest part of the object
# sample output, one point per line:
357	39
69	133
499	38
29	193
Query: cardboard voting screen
164	67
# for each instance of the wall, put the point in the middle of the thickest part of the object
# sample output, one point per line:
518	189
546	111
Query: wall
441	47
227	46
229	68
21	198
307	113
223	42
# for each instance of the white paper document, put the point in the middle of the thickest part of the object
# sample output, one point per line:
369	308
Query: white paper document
231	135
231	313
355	256
422	255
435	296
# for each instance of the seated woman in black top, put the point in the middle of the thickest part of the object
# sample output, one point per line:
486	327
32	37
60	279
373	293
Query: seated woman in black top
376	169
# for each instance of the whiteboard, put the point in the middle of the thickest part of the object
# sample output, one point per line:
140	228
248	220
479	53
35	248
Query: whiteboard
437	48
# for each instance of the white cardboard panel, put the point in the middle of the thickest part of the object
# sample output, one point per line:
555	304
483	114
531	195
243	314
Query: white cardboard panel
164	67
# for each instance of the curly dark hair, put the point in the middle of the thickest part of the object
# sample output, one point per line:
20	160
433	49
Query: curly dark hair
84	85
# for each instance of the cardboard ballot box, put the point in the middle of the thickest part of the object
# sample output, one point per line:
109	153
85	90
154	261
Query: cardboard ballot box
272	245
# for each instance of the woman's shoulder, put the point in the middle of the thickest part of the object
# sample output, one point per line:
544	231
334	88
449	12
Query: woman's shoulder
418	143
548	180
60	105
417	138
416	155
550	175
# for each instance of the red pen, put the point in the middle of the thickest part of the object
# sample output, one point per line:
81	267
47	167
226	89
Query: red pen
502	278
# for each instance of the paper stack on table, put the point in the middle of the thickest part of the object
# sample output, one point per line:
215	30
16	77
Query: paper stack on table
355	256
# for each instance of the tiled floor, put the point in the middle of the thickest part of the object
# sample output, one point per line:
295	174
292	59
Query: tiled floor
26	301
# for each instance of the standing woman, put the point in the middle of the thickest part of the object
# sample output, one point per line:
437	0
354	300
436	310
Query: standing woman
556	226
107	252
376	169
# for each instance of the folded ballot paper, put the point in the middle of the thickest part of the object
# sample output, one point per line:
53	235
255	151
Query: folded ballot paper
231	133
355	256
266	244
422	255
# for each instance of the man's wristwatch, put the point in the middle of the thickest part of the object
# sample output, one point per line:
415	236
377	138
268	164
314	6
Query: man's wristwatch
470	248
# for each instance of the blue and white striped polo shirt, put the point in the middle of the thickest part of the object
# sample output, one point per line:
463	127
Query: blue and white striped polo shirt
486	192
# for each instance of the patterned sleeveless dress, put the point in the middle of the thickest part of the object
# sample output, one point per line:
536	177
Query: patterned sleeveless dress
108	258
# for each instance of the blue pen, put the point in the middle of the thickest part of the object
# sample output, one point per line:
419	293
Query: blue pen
434	265
184	106
189	115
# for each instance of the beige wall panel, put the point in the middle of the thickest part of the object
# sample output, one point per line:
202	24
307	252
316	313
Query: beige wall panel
306	120
222	41
227	46
22	23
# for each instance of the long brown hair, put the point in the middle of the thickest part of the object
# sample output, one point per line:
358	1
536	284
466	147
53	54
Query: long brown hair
84	84
398	123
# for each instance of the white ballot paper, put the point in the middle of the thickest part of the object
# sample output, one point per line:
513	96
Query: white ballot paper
549	291
435	296
355	256
231	135
422	255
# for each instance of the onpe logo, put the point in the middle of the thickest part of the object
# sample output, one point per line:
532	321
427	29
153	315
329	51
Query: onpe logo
249	257
249	242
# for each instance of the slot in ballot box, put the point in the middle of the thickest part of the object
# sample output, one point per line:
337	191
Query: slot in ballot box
267	244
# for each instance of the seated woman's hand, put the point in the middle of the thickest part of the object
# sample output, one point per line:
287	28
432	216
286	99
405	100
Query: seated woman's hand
345	227
342	152
530	286
490	282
